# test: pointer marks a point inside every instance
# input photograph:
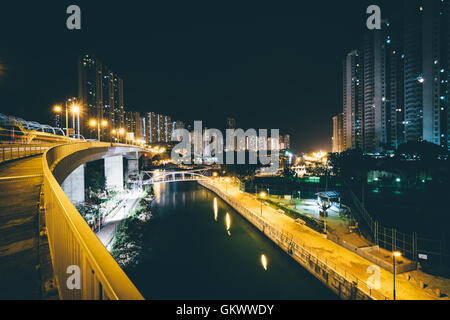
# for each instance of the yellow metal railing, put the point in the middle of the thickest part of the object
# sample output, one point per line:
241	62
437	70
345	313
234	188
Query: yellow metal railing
73	243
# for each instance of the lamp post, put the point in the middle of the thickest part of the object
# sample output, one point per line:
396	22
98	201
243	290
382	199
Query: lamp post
58	109
76	110
116	134
93	122
226	183
121	132
67	121
262	195
394	255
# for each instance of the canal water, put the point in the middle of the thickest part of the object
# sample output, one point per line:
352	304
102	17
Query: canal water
196	251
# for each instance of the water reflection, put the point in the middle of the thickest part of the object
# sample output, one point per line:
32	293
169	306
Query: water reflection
208	264
264	261
216	209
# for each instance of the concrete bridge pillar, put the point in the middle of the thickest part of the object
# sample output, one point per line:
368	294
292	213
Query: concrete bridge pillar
114	173
73	186
133	165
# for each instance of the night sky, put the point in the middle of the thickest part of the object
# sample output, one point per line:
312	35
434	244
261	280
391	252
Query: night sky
267	64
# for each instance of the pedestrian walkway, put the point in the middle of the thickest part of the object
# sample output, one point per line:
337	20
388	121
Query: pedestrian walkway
405	289
20	186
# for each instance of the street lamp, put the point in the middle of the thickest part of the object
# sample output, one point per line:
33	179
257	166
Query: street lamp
394	255
119	133
76	110
262	196
227	180
58	109
94	123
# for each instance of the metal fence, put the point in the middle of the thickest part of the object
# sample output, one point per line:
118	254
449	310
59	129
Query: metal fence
72	242
411	245
333	275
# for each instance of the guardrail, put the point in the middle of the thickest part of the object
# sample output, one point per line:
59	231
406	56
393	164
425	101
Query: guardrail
73	245
334	276
16	151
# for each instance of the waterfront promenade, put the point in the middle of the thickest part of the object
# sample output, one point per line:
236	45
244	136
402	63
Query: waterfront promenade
345	259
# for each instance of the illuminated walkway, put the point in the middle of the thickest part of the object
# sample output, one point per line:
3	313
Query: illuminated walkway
20	186
326	248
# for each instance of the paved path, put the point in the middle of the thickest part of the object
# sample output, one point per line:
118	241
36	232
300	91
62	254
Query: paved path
115	218
346	259
20	186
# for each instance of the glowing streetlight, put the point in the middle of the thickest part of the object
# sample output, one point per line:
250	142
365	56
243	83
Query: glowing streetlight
58	109
76	111
262	195
94	123
119	132
395	254
227	180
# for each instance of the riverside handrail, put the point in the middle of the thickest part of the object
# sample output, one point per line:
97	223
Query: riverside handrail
73	243
300	249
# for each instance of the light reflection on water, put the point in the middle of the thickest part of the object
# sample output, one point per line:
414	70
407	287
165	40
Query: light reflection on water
188	256
264	261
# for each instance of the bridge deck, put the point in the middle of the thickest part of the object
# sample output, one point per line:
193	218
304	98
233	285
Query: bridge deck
19	208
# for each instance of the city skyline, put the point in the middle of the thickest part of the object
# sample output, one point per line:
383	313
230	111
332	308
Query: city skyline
395	84
215	155
263	84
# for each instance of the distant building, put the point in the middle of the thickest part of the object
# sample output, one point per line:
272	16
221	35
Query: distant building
262	143
168	128
427	63
152	127
338	133
376	56
285	142
405	76
251	143
353	100
273	144
133	124
161	125
100	94
231	123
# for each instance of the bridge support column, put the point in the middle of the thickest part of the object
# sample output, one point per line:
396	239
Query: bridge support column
73	186
133	165
114	173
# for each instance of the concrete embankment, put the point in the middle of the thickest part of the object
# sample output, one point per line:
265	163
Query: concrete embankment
344	284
